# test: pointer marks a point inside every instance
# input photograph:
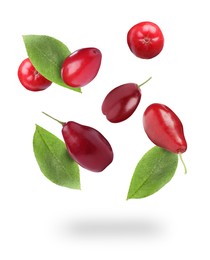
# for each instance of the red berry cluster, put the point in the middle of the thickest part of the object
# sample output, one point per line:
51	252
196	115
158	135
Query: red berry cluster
88	147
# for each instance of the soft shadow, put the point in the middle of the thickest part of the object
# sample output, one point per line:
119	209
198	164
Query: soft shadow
112	227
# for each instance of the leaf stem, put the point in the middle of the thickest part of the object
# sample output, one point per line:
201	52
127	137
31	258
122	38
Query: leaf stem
185	168
60	122
144	82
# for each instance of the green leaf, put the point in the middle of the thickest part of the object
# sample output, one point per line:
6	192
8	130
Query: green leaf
47	55
53	159
154	170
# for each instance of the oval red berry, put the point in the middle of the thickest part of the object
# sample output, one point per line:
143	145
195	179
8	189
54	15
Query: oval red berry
87	146
81	67
121	102
164	128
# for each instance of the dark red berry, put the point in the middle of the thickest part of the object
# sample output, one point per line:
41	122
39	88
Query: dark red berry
164	128
145	40
81	67
30	78
87	146
121	102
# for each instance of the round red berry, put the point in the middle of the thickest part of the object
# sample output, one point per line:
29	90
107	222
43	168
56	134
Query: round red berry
30	78
145	40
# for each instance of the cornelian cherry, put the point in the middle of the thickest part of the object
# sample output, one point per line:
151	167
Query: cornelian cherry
164	128
145	40
121	102
30	78
86	145
81	67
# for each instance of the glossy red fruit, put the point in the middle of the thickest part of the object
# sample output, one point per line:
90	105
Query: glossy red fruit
121	102
145	40
81	67
87	146
164	128
30	78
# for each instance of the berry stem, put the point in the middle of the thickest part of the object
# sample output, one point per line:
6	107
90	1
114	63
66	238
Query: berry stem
144	82
60	122
185	168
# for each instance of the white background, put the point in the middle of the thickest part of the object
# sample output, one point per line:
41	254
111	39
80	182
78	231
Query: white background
40	220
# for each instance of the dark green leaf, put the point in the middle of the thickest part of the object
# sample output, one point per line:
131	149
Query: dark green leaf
54	160
154	170
47	55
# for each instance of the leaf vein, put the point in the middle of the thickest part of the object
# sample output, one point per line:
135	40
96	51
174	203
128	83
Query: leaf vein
149	176
53	154
47	56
